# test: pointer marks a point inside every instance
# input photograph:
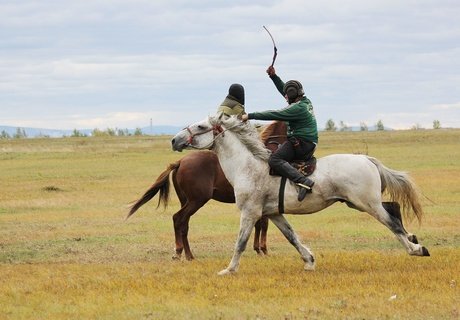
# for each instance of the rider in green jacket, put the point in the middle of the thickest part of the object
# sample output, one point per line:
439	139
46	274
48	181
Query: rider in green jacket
302	131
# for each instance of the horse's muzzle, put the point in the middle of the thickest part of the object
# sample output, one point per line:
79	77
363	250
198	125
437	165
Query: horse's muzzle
177	145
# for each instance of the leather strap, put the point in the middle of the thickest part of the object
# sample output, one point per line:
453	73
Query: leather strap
281	195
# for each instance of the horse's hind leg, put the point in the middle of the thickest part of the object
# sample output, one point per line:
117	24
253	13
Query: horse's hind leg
289	233
389	214
188	252
393	208
181	226
177	222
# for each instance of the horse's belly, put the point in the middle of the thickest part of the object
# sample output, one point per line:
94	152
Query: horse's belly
311	204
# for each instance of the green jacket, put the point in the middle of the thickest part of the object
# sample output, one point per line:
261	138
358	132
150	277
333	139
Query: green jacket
299	116
231	107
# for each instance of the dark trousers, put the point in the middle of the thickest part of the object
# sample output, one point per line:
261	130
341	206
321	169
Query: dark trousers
292	149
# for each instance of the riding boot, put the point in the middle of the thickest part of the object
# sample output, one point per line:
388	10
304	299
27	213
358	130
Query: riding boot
305	184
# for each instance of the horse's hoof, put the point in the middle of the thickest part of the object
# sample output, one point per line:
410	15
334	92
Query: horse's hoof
412	238
176	257
309	267
225	272
261	253
425	252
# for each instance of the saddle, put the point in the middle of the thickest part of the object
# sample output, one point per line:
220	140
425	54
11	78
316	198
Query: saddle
305	167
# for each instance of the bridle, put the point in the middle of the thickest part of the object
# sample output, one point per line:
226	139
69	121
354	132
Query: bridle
216	129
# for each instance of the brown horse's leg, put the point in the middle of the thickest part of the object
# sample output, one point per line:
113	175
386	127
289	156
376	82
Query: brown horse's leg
177	217
257	228
194	184
181	226
260	236
263	238
188	252
177	222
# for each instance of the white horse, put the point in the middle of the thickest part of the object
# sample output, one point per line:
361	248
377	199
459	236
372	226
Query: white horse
357	180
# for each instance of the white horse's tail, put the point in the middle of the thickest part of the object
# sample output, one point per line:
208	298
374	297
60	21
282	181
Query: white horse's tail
400	188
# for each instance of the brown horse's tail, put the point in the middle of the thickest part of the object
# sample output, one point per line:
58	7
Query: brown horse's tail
401	189
161	184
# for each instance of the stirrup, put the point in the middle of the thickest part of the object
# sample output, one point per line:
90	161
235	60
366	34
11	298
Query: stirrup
304	186
304	189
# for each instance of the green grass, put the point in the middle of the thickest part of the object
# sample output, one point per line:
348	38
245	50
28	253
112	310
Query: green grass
67	252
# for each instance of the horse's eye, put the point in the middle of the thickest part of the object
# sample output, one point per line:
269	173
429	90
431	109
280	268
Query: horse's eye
200	127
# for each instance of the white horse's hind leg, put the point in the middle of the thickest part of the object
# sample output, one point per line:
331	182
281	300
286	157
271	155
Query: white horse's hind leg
392	220
246	225
289	233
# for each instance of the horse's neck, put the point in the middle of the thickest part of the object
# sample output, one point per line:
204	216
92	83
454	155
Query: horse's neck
235	159
276	131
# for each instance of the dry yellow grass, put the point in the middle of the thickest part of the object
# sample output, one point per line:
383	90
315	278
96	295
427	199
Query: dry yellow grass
66	251
354	285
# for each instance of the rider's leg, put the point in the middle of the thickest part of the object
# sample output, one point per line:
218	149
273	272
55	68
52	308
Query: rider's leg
279	161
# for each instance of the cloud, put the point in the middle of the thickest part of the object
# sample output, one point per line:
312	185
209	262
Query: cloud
452	106
174	60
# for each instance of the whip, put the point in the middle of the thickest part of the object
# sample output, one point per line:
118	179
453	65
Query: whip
275	50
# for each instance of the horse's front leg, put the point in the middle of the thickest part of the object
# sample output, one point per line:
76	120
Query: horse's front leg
257	230
263	235
247	222
289	233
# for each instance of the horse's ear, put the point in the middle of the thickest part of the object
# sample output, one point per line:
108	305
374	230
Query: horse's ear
220	115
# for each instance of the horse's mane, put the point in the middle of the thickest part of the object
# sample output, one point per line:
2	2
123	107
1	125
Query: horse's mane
246	133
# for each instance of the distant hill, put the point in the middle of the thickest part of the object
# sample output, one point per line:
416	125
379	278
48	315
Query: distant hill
154	130
54	133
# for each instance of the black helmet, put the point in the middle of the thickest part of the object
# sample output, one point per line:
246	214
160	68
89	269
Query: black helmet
293	89
236	92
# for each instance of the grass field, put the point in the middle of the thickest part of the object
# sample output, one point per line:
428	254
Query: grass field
67	253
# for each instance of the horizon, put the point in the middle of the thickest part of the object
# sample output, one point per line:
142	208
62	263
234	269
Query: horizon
30	132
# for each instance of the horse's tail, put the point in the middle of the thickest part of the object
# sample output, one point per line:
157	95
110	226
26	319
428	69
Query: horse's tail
400	187
161	184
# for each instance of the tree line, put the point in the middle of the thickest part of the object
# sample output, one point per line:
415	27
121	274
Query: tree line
331	126
109	132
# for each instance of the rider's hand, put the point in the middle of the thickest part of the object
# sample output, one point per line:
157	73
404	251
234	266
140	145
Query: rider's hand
271	71
244	117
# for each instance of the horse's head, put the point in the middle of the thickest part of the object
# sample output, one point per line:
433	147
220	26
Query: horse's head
200	135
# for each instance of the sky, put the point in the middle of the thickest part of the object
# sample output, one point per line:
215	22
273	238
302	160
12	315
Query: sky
128	63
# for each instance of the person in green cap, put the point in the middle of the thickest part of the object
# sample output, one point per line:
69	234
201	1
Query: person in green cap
233	104
302	131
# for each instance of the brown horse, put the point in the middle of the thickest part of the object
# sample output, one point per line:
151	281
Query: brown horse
197	178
